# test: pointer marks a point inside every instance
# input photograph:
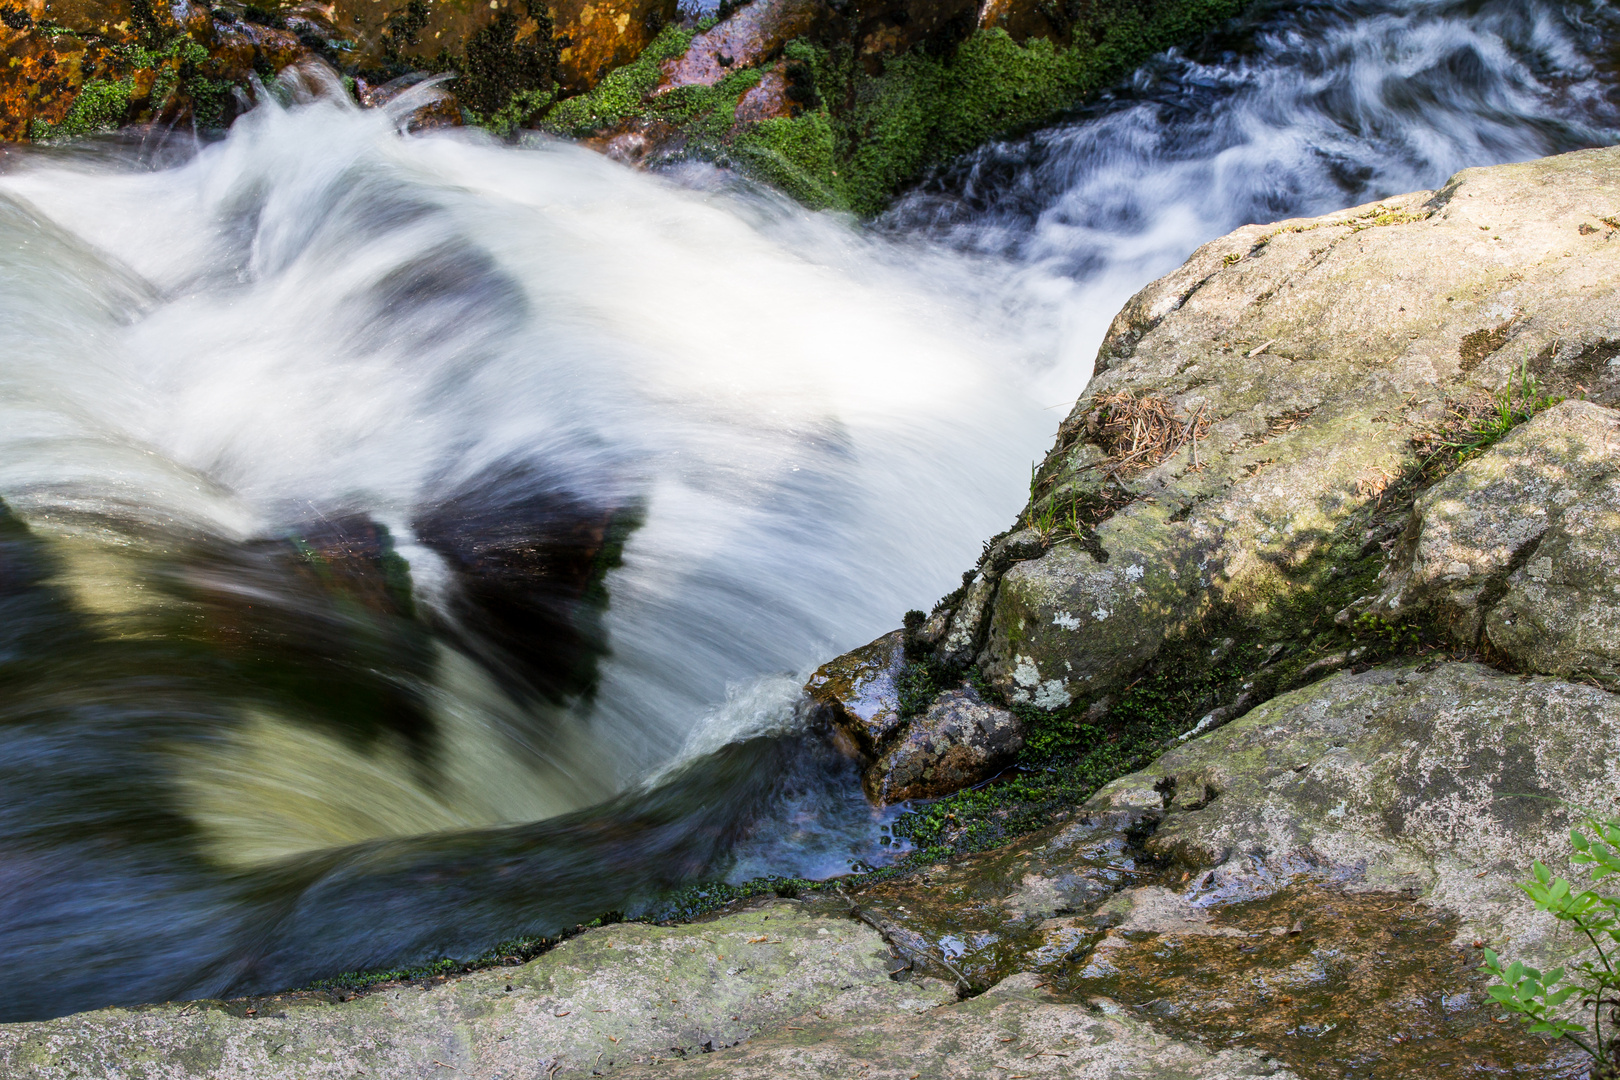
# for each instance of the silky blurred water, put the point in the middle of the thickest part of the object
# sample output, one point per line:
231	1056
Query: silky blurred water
235	758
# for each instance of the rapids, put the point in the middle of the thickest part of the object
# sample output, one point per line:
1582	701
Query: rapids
292	422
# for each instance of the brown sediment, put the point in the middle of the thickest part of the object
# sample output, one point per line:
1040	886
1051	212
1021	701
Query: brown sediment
1335	984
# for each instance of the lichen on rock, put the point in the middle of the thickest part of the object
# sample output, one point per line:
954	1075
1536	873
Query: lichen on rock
1516	548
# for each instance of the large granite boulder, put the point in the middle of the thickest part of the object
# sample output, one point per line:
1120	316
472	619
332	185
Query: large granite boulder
1262	419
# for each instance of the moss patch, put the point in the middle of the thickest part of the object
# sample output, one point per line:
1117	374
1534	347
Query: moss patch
623	94
855	138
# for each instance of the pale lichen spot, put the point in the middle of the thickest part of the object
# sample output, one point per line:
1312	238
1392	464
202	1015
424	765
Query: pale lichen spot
1066	621
1052	695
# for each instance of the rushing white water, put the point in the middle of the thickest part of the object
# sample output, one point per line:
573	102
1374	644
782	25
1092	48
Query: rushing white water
216	356
318	317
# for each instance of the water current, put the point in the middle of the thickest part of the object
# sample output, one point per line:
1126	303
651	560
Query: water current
415	541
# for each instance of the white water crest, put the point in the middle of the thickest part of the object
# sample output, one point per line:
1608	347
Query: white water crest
799	427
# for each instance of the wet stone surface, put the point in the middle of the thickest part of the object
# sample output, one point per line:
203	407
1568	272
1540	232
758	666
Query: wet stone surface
1337	984
982	918
859	693
959	742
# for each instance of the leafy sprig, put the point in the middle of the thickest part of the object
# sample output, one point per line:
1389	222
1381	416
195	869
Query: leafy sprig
1538	998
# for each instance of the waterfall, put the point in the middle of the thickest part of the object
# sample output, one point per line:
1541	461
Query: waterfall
414	540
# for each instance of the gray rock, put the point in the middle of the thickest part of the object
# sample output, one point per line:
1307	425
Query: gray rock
958	743
1518	547
1015	1028
858	692
1314	351
962	639
1442	782
608	998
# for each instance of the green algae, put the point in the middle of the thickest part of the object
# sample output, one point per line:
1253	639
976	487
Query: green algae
104	104
101	105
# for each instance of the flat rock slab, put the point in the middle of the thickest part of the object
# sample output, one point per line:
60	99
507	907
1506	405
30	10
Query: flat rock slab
1441	781
1015	1030
611	997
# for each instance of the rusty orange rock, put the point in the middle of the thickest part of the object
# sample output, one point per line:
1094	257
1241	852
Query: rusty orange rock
39	79
597	36
578	41
77	66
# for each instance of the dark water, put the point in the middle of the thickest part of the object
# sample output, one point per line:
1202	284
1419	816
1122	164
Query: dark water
415	542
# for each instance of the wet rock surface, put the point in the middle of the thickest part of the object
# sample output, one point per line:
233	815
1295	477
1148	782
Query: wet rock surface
78	68
956	741
756	32
860	691
75	67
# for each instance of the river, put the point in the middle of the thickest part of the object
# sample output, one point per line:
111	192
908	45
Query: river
415	541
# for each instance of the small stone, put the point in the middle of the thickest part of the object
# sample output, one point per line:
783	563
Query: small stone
959	742
857	692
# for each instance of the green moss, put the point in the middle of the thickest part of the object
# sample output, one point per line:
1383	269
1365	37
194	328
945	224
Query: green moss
623	93
858	139
100	106
512	951
104	104
796	154
923	110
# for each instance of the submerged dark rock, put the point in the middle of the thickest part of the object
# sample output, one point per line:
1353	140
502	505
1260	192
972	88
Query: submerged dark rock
529	559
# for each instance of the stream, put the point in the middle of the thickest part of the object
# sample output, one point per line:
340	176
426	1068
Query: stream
410	542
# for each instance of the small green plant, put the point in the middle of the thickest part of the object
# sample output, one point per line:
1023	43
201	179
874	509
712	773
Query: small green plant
1536	997
1480	428
1388	637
